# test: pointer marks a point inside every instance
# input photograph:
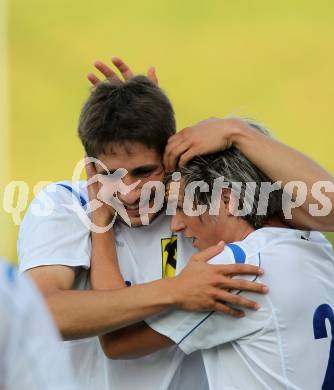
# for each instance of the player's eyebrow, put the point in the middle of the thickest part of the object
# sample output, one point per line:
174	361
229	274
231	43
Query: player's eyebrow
143	169
135	171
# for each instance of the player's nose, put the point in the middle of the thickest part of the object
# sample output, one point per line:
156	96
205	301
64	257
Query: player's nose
177	224
133	196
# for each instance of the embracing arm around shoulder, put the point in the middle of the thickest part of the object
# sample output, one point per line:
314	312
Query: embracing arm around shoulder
310	187
311	207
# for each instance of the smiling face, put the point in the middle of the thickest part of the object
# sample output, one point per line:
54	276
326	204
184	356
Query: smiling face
142	164
207	230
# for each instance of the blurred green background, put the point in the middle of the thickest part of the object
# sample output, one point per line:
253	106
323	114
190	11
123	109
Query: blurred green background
269	60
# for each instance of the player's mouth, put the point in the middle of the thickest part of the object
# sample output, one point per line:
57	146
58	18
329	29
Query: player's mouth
133	210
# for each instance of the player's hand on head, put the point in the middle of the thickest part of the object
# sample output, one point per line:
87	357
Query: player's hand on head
101	212
208	136
122	68
202	286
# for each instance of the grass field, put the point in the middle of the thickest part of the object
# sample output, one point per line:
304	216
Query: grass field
269	60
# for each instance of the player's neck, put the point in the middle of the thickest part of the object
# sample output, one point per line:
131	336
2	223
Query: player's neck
275	221
236	230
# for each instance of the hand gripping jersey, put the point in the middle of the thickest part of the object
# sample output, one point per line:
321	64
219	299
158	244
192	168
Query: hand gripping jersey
54	232
288	343
32	357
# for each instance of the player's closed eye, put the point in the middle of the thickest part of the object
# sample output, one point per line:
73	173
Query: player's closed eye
142	172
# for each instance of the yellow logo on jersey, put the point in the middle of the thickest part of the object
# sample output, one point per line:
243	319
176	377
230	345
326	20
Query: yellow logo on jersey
169	251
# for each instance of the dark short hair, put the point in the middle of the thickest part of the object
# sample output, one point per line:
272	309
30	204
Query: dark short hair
136	110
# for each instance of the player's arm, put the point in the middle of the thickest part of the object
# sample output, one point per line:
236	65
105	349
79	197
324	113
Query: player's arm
196	331
139	339
105	276
80	314
171	327
278	161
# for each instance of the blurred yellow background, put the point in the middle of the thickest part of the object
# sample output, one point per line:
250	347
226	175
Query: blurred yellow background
269	60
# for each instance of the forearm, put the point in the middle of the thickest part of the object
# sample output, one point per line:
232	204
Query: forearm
133	342
105	273
129	342
283	163
81	314
276	160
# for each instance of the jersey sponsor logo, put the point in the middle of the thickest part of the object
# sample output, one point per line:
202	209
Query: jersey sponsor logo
169	256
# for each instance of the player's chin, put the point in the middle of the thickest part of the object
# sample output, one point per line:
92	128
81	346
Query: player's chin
200	245
131	221
140	221
137	220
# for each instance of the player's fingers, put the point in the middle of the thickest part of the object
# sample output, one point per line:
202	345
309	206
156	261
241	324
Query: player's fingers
221	307
187	156
92	187
242	269
152	75
237	299
93	79
106	70
92	179
177	145
122	67
173	138
207	254
244	285
179	137
174	141
90	168
172	154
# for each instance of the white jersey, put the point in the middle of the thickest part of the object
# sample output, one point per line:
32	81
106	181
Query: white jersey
32	357
58	236
287	343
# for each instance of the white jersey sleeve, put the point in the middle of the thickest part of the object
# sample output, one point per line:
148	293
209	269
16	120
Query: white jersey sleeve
32	354
192	331
55	229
